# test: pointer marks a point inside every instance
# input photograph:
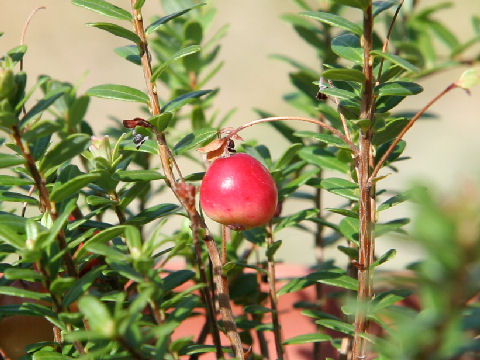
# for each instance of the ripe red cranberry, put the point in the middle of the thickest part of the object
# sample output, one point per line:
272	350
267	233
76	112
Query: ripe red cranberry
238	191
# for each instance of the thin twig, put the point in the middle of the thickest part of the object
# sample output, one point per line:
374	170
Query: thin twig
399	137
387	39
277	331
342	117
25	27
300	118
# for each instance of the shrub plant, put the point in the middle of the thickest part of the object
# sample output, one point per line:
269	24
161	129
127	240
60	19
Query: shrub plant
83	245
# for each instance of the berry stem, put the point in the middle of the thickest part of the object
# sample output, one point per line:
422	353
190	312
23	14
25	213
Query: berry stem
300	118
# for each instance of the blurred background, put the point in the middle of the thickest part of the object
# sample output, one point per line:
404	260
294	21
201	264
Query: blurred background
445	151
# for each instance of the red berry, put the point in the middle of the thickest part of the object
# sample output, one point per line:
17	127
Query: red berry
238	191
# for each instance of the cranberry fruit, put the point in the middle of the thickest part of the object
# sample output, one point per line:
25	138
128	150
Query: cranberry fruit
238	191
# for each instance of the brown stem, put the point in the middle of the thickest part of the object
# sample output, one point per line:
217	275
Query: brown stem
185	201
133	352
45	204
206	295
221	283
277	331
367	197
399	137
117	208
300	118
387	39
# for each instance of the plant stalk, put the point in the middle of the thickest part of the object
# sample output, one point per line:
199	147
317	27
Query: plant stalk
184	192
277	331
367	196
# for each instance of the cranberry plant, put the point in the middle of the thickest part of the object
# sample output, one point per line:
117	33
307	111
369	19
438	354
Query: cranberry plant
82	236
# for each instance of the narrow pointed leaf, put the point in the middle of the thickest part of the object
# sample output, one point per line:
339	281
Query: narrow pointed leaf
130	53
344	75
184	99
193	140
397	60
117	31
348	47
307	338
398	88
192	49
118	92
104	8
64	151
72	186
156	24
342	187
334	20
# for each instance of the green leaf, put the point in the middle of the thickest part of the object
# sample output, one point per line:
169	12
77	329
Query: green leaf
398	88
110	252
340	94
134	241
139	175
385	257
344	212
287	156
82	285
58	225
72	186
272	249
307	338
104	8
44	103
194	140
118	92
64	151
129	53
380	6
388	298
156	24
61	285
9	233
192	49
334	20
117	31
397	60
17	197
42	129
17	53
394	200
177	278
348	47
7	160
344	75
325	138
294	219
390	132
193	349
445	35
7	180
337	325
349	228
77	110
394	225
97	314
469	79
23	293
153	213
184	99
49	355
13	273
323	159
341	187
161	121
256	309
359	4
